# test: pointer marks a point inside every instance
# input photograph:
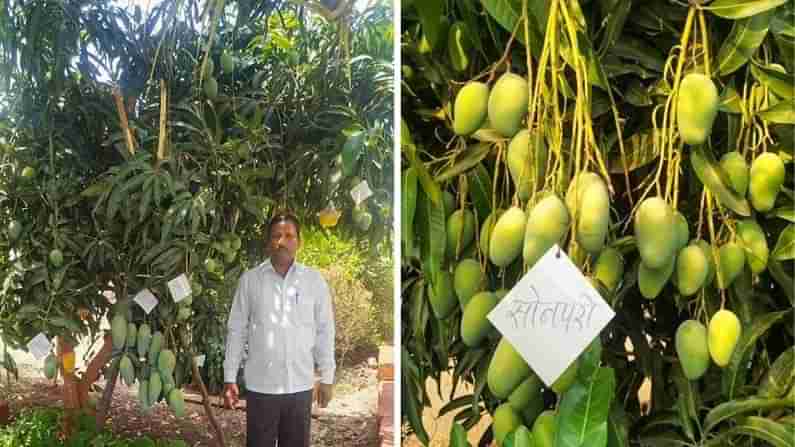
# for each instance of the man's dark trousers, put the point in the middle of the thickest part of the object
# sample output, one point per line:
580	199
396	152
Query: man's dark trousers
285	417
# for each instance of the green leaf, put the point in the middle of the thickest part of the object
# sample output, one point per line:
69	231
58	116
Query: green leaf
686	403
410	403
480	190
408	202
782	112
351	152
509	12
617	427
742	42
639	50
740	9
615	13
780	376
430	12
777	434
734	374
430	187
786	213
470	158
458	436
730	101
783	278
437	234
639	150
715	180
785	247
733	408
783	22
582	416
782	84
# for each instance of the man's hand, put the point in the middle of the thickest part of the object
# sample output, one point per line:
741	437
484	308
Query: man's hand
324	392
231	395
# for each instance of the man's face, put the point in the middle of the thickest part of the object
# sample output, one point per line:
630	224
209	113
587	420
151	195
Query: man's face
283	242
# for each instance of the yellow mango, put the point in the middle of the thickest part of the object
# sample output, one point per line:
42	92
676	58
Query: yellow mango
474	324
507	237
767	177
654	221
547	224
723	333
507	370
696	108
527	161
508	104
470	108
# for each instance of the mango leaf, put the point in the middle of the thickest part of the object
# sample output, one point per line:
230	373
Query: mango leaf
521	437
730	101
351	152
428	185
740	9
782	112
583	412
714	179
732	408
639	151
430	12
480	190
734	374
742	42
785	212
470	158
629	47
782	84
778	435
408	202
785	247
665	439
780	376
783	22
410	402
783	278
615	13
686	403
437	237
458	436
509	12
617	427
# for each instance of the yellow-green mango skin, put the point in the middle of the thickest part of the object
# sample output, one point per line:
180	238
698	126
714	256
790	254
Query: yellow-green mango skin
507	237
692	348
723	332
474	324
527	161
656	240
730	264
505	420
692	267
652	281
460	223
709	253
696	108
527	393
547	223
459	46
530	413
751	236
566	380
609	268
508	104
544	428
486	229
442	296
507	370
470	108
468	279
767	177
593	213
500	294
735	166
682	230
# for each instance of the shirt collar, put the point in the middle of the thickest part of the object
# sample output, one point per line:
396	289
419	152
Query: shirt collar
267	265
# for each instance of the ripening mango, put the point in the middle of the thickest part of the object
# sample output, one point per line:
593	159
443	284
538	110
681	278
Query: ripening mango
474	324
547	223
505	420
751	236
508	104
733	163
652	281
468	279
507	237
460	228
589	203
696	108
682	230
470	108
654	221
544	429
767	177
527	161
528	393
507	370
692	348
486	229
723	333
692	267
731	260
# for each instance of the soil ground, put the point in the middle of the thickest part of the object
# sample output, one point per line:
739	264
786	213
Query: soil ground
349	420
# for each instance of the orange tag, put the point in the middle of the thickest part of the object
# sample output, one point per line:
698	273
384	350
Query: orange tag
69	362
329	217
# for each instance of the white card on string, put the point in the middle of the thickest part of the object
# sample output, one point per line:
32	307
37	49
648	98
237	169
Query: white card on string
39	346
551	315
146	300
361	192
179	288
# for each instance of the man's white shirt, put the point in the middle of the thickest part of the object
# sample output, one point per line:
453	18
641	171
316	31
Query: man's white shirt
288	324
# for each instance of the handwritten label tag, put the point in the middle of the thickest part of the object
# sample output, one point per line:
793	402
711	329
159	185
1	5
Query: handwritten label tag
146	300
39	346
551	315
361	192
179	288
199	359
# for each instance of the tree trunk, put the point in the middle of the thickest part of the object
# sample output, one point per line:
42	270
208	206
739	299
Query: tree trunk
71	397
219	435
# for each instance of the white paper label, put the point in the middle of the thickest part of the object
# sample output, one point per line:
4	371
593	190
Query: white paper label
179	288
361	192
199	359
551	315
39	346
146	300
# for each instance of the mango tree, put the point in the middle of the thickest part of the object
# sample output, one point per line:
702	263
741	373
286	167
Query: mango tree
650	140
114	188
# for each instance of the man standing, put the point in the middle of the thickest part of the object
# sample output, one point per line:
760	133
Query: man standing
282	309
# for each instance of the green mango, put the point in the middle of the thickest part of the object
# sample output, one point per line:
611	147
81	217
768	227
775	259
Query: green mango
767	178
696	108
692	267
546	225
527	161
507	237
652	281
470	108
508	104
731	259
486	229
692	348
657	248
468	279
752	238
507	370
505	420
609	268
474	324
460	224
733	163
544	428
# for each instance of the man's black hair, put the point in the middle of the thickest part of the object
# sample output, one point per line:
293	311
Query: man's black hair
284	216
